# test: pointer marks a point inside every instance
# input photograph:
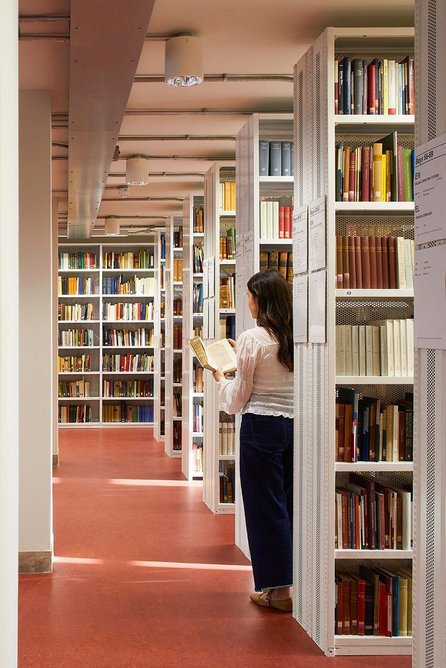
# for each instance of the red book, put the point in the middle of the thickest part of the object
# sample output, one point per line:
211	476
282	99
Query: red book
360	605
348	440
391	250
339	265
371	88
365	259
365	174
372	255
351	261
288	214
385	262
339	606
281	222
351	177
379	263
345	263
358	261
353	606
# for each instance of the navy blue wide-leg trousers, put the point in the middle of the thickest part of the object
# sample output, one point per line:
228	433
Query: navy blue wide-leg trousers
266	473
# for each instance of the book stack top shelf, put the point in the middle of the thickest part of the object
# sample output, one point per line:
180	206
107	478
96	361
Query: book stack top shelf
193	385
107	306
219	277
356	87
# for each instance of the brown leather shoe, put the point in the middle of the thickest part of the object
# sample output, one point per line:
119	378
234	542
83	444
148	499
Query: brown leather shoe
264	599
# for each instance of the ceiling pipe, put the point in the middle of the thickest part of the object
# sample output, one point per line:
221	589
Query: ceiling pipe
142	199
122	138
42	18
204	112
218	78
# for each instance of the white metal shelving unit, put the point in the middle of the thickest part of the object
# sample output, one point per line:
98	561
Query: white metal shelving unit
317	129
193	241
159	417
102	374
173	351
218	472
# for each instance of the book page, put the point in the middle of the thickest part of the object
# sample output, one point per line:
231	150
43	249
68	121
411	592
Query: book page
222	355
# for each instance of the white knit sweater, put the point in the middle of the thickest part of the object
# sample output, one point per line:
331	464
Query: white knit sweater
261	385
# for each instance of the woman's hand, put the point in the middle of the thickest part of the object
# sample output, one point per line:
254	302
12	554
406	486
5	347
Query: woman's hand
218	375
233	344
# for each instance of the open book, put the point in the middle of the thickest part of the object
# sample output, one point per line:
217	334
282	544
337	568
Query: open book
217	355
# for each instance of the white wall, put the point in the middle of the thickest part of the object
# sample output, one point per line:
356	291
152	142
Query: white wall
9	438
36	323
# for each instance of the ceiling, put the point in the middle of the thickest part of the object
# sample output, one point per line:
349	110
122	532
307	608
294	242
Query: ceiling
181	130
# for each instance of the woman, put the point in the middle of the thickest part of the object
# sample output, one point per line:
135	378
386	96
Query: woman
263	391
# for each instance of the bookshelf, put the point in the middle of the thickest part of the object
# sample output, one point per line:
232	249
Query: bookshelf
173	275
106	313
219	322
193	386
263	198
333	453
159	426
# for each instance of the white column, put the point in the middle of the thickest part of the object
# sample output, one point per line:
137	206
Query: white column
9	315
54	265
36	332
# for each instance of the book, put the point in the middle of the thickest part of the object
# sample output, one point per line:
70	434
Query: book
219	354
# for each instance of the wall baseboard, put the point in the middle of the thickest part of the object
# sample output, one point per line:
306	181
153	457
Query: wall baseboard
36	562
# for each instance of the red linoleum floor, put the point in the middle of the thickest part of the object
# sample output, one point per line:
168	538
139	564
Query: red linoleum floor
146	576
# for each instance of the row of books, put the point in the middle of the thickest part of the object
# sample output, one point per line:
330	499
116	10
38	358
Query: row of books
227	195
177	403
376	601
75	311
197	418
178	238
198	257
364	262
77	260
280	260
383	348
227	327
382	86
276	158
177	337
124	412
372	516
275	219
74	388
177	370
177	270
227	243
227	291
127	388
72	364
67	338
380	172
177	436
198	377
128	311
123	285
77	285
74	413
177	306
142	259
227	481
226	437
197	298
369	429
197	457
126	363
198	220
128	338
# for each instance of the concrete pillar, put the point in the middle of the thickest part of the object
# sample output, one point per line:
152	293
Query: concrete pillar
9	332
36	333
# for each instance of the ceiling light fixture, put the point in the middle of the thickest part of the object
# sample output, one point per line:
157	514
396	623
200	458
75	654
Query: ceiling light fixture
183	61
112	227
137	171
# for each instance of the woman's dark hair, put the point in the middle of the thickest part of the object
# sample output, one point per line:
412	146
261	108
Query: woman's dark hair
273	296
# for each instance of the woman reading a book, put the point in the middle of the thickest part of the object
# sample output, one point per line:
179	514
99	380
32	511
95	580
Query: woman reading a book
262	390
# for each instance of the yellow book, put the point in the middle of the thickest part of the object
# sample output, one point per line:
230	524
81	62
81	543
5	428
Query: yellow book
377	171
217	355
384	178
